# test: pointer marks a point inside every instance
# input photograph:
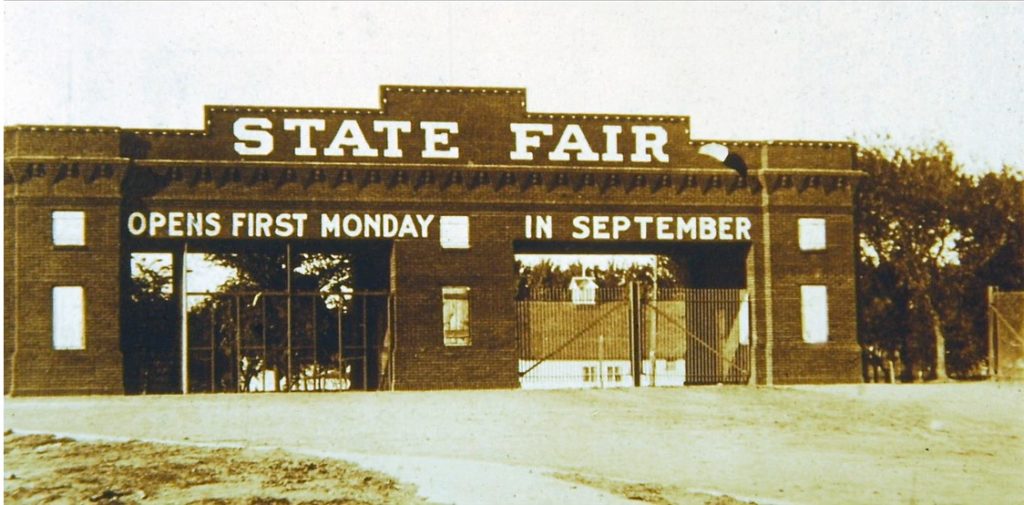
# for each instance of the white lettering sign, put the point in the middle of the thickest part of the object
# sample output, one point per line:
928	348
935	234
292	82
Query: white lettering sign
277	225
668	228
435	133
253	129
304	127
256	135
573	140
392	128
350	135
648	143
375	225
649	140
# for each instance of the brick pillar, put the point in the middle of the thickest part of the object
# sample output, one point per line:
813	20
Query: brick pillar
36	266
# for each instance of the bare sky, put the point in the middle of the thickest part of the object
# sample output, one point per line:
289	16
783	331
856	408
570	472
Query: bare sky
918	72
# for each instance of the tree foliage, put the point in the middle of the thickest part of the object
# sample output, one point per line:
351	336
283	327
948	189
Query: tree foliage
267	270
931	239
547	275
150	282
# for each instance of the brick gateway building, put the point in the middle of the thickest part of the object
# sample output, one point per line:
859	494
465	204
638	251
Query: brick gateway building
378	250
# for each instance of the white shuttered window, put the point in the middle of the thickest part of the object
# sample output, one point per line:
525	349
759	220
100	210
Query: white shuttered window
68	228
68	318
455	311
455	232
814	311
811	231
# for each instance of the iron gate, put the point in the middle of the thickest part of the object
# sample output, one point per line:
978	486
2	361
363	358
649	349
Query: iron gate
1006	334
629	336
275	341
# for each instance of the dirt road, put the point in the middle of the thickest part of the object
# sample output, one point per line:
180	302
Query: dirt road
877	444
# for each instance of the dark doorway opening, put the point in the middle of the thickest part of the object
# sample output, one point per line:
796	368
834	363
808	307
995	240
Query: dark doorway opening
257	316
149	326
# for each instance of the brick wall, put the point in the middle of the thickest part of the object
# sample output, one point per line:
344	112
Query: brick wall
10	231
421	268
50	168
38	368
796	361
487	268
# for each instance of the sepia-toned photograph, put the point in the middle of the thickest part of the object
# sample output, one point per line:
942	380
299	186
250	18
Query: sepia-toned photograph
513	253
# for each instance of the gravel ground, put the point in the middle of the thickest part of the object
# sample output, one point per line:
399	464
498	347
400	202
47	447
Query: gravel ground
871	444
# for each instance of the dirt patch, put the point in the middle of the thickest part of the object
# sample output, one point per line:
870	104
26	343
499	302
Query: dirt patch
942	444
651	493
48	469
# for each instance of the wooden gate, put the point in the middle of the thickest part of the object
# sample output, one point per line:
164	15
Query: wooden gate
627	336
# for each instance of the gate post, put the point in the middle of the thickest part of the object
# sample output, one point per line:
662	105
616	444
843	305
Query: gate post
288	314
181	256
752	343
652	340
636	357
989	298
